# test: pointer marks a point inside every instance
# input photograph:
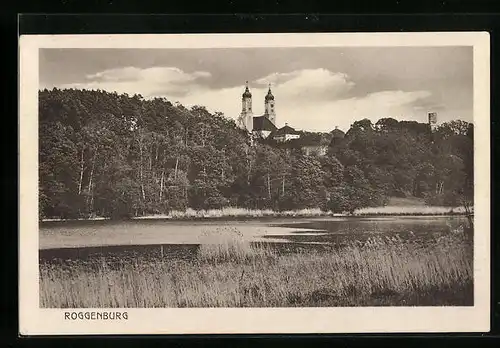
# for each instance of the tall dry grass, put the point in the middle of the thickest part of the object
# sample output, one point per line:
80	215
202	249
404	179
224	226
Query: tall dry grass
229	245
233	212
382	271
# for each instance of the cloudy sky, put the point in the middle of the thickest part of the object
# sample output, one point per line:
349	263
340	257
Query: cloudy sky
315	88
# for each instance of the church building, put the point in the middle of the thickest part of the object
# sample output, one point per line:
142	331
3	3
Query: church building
260	126
264	126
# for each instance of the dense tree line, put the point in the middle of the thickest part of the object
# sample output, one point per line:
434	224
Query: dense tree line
116	155
407	159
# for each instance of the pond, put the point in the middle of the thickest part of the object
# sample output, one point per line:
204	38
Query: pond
178	239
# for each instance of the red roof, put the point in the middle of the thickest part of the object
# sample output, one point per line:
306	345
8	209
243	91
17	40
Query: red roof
262	123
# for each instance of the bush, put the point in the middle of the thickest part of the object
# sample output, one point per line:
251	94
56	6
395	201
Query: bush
447	199
216	202
349	198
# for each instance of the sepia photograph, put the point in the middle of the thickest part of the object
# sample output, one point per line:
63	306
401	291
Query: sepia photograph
257	176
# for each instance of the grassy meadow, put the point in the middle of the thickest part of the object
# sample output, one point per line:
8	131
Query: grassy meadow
390	210
383	271
409	206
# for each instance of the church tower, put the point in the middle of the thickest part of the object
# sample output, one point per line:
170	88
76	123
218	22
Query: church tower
432	116
270	112
246	116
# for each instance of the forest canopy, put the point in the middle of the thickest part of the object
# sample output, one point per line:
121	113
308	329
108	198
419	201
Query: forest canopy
119	156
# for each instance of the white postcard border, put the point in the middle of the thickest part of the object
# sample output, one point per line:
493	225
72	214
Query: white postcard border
34	320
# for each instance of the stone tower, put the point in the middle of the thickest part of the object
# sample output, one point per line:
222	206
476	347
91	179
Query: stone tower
270	111
246	116
432	120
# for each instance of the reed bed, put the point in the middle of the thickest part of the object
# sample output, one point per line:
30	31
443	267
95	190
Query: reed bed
234	273
229	212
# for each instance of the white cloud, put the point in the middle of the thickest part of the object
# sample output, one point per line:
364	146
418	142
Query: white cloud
309	99
148	82
310	83
342	113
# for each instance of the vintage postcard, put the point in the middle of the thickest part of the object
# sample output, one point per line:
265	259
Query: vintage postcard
254	183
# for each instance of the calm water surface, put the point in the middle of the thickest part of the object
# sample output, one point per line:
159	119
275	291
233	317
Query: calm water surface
83	239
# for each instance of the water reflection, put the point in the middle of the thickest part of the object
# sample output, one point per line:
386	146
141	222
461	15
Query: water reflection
180	240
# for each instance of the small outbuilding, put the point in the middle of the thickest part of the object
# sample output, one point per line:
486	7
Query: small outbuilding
285	133
337	136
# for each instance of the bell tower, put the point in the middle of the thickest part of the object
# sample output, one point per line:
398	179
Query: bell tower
246	116
270	111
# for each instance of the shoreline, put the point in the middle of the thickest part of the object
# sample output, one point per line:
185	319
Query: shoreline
251	215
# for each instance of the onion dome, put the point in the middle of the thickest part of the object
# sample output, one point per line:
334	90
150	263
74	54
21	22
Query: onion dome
269	95
247	93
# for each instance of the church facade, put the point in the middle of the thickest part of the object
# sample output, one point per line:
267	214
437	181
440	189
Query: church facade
260	126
